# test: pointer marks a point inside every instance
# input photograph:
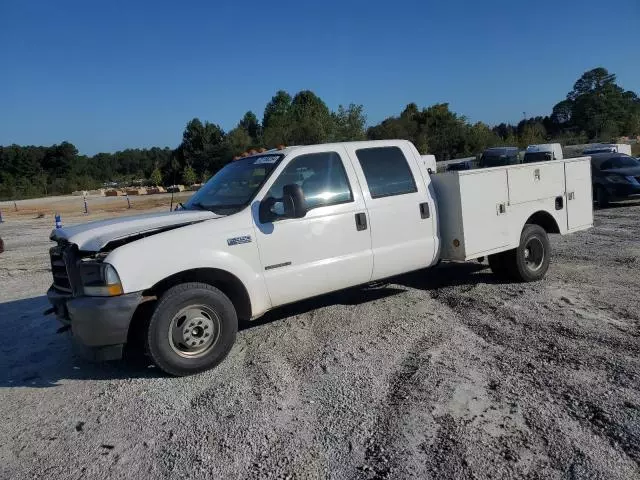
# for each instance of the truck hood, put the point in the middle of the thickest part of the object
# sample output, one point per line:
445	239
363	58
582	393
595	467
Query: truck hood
94	236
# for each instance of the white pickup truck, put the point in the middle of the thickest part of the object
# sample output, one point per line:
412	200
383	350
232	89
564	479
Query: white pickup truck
289	224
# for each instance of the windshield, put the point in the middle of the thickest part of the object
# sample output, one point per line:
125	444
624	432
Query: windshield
536	157
496	160
235	185
620	162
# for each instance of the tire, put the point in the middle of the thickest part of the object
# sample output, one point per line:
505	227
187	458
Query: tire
530	261
498	264
602	197
192	329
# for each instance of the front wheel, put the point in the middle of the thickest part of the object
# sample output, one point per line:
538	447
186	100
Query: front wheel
192	329
530	261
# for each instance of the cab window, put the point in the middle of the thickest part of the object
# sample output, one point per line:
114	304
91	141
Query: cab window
321	176
386	171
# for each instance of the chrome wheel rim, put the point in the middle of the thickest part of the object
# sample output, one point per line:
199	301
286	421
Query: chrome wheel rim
194	330
534	254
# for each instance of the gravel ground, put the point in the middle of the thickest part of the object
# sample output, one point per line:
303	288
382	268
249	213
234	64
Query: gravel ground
439	374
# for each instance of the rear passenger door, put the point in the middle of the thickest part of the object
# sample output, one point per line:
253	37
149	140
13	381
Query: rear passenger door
401	210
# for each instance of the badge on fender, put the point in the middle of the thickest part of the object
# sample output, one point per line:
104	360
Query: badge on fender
238	240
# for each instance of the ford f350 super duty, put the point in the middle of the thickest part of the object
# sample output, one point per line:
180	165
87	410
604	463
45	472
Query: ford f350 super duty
284	225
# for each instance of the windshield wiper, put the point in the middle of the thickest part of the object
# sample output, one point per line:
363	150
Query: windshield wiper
198	206
219	209
227	209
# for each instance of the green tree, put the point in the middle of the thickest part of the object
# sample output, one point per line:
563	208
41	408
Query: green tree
446	131
58	159
203	146
156	177
276	109
238	140
405	126
349	123
189	175
251	125
480	136
411	125
599	107
276	121
532	133
311	120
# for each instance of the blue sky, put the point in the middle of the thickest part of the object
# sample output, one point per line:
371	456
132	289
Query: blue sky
117	74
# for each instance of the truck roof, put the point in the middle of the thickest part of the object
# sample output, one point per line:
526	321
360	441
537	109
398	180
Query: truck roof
543	147
357	144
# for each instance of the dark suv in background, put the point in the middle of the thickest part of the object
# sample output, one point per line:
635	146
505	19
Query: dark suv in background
615	176
499	156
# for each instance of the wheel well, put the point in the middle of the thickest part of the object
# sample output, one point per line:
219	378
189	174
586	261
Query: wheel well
224	281
545	220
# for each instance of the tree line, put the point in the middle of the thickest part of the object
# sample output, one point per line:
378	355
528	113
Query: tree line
596	109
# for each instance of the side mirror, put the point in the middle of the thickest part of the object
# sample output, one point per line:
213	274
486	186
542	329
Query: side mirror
265	211
293	202
295	206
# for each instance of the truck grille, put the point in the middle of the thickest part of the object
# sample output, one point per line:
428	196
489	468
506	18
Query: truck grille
61	280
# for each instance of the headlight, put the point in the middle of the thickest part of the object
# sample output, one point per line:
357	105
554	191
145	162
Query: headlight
100	280
617	179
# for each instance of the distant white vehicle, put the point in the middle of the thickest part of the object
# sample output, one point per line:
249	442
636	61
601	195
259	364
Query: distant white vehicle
281	226
429	162
608	148
543	152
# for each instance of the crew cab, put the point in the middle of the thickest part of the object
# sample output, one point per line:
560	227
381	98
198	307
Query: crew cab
283	225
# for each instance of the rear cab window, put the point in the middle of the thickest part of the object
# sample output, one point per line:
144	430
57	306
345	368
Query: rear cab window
386	171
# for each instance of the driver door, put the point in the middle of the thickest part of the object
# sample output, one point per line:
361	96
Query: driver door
330	247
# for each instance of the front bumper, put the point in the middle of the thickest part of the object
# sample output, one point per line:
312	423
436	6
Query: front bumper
99	325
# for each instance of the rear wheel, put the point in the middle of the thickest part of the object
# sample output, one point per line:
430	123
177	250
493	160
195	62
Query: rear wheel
192	329
530	261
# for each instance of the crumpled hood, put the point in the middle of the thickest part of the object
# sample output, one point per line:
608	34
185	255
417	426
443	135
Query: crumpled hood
93	236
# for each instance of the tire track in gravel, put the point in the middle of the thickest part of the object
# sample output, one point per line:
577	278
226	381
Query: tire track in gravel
402	384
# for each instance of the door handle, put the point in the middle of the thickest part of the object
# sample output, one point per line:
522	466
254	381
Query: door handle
424	210
361	221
